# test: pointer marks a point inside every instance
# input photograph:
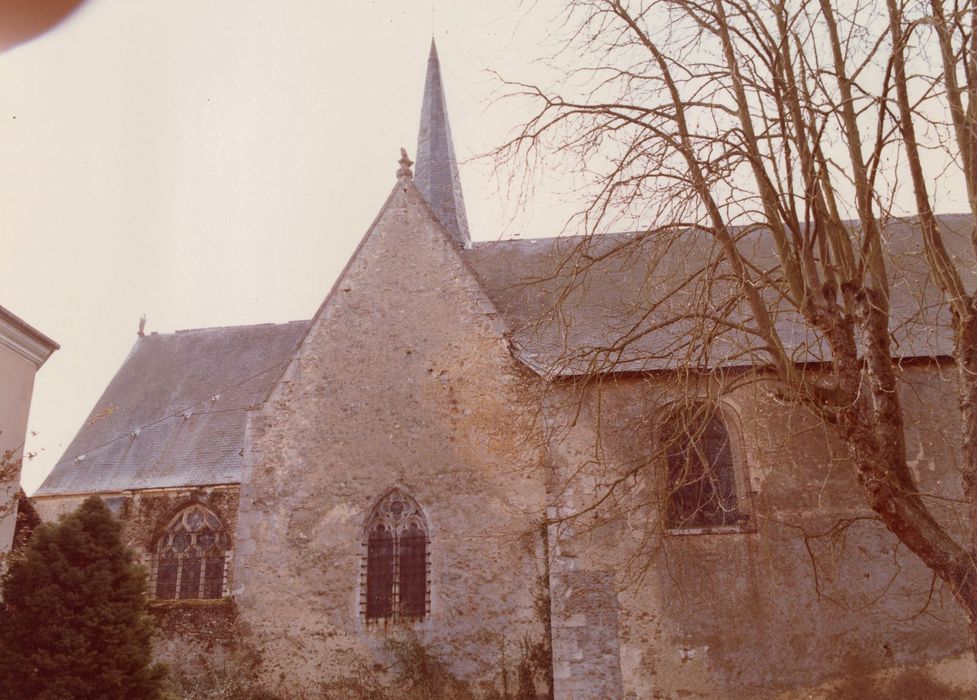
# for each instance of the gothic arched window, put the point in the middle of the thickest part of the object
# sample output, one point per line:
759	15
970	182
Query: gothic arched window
701	484
396	562
190	556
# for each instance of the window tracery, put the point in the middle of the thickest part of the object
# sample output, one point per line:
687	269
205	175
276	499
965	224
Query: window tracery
190	556
396	563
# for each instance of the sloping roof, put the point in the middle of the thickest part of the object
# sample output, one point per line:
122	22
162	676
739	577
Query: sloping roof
625	302
175	412
25	340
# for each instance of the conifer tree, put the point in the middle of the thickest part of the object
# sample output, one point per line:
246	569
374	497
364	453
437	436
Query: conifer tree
74	622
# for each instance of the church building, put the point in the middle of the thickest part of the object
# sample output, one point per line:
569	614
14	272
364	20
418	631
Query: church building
430	455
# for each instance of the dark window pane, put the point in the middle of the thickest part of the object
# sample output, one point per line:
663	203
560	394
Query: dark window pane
194	520
413	573
190	577
166	577
715	445
379	574
206	538
702	488
214	577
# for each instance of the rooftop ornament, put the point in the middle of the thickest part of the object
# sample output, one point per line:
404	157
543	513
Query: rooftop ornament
404	172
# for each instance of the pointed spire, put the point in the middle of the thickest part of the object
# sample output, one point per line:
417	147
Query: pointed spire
436	171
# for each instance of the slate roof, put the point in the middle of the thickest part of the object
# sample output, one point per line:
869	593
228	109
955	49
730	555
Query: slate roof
622	302
175	412
174	415
436	170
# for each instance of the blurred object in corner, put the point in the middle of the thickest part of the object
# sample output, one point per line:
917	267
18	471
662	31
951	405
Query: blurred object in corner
23	20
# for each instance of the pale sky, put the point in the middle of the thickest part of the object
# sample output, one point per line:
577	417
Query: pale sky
215	163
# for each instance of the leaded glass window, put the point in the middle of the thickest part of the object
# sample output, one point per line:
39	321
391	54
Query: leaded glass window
380	572
190	556
701	488
167	567
413	571
396	566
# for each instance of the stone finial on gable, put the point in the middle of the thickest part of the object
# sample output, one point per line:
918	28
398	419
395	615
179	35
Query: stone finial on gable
404	172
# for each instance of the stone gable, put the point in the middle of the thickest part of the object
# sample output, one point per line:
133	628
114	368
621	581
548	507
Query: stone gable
404	379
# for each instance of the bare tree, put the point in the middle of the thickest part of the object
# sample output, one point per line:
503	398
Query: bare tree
767	143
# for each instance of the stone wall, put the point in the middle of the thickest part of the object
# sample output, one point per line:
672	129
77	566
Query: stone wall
404	380
146	512
198	638
191	634
811	590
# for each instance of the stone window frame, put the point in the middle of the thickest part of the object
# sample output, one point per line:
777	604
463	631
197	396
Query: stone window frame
163	544
383	513
728	416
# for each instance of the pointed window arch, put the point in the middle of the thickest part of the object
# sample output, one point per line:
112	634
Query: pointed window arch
701	483
190	556
396	563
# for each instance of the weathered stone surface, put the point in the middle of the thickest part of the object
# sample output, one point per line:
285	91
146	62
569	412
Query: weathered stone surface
809	586
144	513
196	636
403	380
586	651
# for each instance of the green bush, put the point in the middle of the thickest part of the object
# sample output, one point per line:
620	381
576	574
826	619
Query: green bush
74	622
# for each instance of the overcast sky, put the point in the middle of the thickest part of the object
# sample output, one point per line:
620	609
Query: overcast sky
215	163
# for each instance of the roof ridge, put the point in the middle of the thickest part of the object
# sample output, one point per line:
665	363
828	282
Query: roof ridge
182	331
556	237
909	218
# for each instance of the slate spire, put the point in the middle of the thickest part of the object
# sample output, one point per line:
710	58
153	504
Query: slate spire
436	170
